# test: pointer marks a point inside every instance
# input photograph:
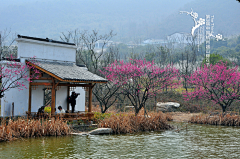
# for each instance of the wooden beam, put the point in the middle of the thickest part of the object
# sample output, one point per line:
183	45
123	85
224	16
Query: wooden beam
41	84
53	97
44	78
56	85
74	85
90	99
68	93
93	85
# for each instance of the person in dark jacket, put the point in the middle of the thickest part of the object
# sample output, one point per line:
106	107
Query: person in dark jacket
73	100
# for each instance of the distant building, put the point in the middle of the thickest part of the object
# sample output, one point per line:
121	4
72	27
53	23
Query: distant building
103	44
154	42
132	44
181	39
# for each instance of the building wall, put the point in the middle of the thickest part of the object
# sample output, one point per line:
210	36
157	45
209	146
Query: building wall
37	98
45	50
80	101
61	97
20	103
16	96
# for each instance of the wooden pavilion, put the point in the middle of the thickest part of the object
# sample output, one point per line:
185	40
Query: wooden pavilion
55	74
59	75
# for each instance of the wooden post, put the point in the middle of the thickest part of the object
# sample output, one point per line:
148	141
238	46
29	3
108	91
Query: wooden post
12	109
53	97
90	98
68	89
29	99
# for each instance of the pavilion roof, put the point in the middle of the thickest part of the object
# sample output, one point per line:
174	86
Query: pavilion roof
67	71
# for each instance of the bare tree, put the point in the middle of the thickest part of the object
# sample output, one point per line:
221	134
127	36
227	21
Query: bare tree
94	52
107	94
86	46
187	54
5	48
163	57
189	59
13	74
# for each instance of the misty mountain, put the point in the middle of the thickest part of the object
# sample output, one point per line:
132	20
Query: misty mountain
226	17
130	19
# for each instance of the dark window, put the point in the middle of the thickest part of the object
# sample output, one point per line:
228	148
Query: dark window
47	98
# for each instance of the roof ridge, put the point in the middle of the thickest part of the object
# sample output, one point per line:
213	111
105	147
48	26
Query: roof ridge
45	40
50	60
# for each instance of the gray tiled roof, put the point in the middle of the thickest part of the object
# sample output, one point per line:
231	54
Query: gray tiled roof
69	71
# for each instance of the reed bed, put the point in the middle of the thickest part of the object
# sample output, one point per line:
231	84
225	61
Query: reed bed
22	128
129	123
225	120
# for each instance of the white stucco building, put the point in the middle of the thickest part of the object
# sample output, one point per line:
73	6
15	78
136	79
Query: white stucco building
59	75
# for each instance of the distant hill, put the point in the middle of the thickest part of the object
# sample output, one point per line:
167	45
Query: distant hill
226	17
130	19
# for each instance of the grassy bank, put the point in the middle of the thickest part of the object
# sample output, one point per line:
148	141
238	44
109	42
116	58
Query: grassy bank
23	128
129	123
225	120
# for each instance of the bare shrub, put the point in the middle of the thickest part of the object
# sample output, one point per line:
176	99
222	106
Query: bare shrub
225	120
32	128
129	123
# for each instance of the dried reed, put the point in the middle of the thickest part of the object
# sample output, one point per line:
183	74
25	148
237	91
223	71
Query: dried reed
129	123
97	108
32	128
225	120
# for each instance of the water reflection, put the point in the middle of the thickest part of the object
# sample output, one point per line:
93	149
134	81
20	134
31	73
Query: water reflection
199	141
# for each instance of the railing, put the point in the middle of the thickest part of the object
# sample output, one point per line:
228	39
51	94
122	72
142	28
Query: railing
66	116
76	116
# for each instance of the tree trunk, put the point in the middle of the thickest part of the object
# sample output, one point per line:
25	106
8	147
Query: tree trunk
136	111
101	107
224	109
104	111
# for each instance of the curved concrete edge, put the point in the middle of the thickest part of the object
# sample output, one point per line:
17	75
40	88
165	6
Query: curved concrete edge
98	131
82	133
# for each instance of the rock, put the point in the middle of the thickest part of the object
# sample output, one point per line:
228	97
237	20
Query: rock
101	131
167	107
98	131
128	108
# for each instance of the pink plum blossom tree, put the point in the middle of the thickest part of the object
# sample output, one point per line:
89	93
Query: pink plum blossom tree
217	83
139	80
15	74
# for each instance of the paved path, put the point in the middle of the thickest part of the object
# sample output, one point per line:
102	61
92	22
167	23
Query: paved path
182	117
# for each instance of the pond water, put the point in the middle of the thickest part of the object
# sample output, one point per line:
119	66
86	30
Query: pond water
198	141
